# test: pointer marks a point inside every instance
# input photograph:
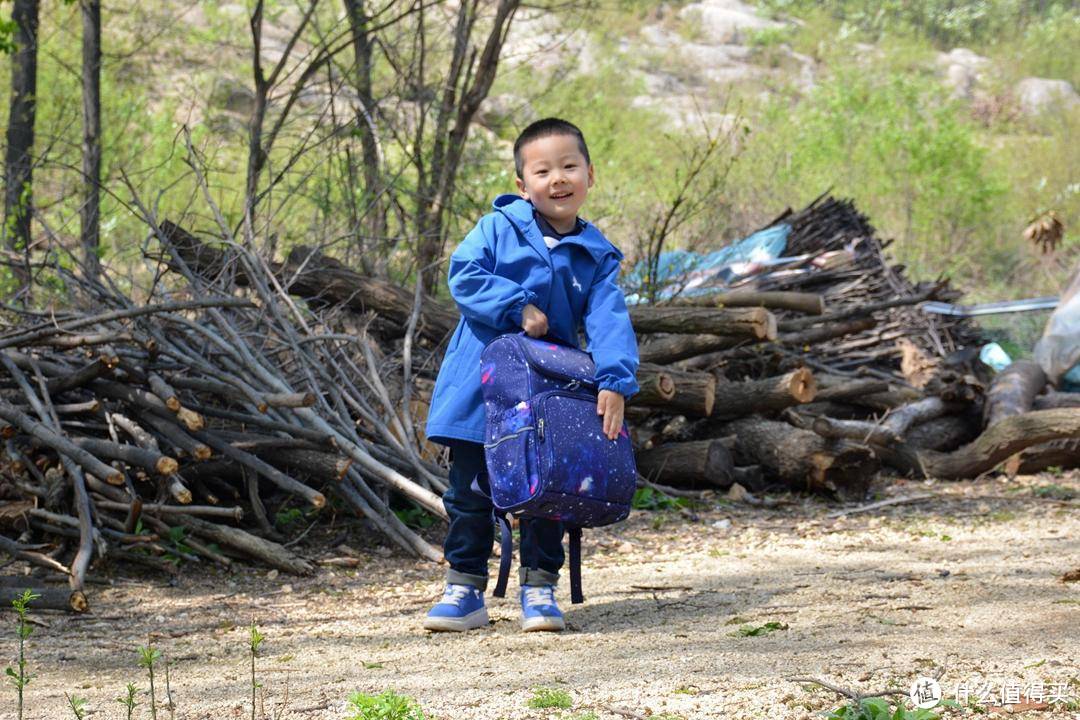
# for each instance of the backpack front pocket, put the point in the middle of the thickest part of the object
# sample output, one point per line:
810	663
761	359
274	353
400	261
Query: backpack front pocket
576	458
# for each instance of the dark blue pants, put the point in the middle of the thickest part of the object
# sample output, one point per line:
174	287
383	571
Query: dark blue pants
472	528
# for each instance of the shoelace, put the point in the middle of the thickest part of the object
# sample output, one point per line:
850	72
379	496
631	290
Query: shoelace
454	594
539	595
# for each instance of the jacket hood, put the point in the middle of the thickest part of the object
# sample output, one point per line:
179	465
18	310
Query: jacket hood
519	211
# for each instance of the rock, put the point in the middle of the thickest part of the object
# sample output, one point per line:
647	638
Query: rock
964	70
660	37
625	548
685	112
497	110
540	41
232	95
1036	95
726	21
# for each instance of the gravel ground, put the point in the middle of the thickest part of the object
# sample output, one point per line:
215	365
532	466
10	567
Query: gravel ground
967	583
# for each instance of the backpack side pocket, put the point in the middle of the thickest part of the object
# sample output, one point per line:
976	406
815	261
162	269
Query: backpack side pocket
510	453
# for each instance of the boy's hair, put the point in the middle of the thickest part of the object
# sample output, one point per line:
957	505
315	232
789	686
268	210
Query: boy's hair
545	128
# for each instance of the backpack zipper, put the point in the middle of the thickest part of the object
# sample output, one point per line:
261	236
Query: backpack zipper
515	434
540	429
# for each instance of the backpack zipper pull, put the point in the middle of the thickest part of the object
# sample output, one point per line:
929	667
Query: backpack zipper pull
540	428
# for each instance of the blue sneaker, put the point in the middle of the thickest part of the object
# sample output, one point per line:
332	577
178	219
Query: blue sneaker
461	608
538	609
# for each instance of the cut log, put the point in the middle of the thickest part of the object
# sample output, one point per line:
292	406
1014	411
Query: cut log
736	399
747	322
832	387
48	598
1063	454
289	400
944	434
131	454
177	437
164	391
857	430
803	460
266	551
1013	391
812	336
309	463
695	393
750	477
657	386
672	348
996	444
689	465
1054	399
95	369
808	303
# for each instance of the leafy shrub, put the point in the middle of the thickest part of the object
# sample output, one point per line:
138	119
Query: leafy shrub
647	498
878	709
387	705
545	697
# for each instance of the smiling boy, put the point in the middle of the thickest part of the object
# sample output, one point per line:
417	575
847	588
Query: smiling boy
532	265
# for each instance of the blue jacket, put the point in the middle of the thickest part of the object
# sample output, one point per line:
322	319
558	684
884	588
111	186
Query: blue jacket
503	265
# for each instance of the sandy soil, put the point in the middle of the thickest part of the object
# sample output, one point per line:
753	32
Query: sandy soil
968	582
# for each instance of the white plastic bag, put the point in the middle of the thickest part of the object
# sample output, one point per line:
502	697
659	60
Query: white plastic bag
1058	350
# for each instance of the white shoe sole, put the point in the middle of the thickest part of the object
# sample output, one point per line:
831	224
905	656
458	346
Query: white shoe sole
543	624
475	619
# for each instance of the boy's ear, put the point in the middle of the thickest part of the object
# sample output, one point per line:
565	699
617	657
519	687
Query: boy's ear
521	187
592	175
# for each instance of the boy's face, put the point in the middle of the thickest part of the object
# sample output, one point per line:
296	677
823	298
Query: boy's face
555	178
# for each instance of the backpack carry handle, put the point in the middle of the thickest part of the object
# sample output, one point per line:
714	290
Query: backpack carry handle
547	337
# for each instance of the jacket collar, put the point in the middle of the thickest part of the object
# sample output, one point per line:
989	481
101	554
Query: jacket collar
520	212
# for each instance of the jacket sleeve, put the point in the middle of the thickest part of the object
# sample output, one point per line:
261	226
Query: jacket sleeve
481	295
611	337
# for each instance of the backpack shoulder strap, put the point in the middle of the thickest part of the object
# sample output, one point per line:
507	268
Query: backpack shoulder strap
575	565
506	544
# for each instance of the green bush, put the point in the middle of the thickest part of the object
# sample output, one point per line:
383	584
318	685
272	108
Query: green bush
545	697
387	705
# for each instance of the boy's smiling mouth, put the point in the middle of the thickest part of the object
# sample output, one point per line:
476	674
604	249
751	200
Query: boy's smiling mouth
561	196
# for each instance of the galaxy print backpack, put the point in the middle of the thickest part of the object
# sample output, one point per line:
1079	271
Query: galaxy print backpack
546	453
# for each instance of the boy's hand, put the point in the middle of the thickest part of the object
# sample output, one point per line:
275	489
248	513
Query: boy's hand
534	321
611	405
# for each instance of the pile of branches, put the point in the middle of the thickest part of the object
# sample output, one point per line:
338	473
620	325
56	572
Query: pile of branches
820	371
197	409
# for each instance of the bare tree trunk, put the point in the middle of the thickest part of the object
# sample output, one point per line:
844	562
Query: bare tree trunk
470	78
91	150
18	164
372	220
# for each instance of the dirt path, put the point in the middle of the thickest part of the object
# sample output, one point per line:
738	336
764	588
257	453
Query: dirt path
969	579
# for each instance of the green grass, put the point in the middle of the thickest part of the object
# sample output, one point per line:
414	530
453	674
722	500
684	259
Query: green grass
545	698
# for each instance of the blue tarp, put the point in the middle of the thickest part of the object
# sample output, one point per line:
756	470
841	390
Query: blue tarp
685	272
